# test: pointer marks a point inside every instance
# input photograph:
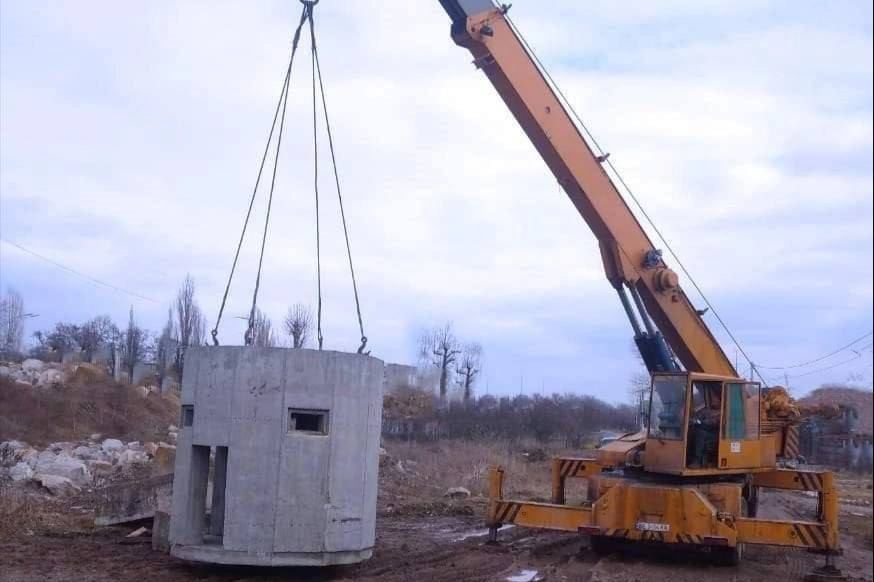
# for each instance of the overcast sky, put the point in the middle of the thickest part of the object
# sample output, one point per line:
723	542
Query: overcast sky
130	136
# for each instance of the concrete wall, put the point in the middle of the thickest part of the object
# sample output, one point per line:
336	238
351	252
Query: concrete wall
292	497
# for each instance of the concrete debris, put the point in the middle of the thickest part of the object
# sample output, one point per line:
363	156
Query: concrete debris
50	377
138	532
32	365
457	493
110	445
65	466
83	463
130	456
41	374
55	484
21	472
161	532
132	501
86	453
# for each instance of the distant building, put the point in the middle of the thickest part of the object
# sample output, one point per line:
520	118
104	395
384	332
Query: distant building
399	376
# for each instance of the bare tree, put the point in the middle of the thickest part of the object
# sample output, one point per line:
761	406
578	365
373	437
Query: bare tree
638	389
94	334
191	325
165	348
11	322
468	368
133	345
439	347
262	331
298	324
57	342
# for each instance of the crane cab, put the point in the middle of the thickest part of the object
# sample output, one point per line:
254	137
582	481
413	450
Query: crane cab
701	424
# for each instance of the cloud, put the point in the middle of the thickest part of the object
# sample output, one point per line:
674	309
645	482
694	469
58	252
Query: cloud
132	134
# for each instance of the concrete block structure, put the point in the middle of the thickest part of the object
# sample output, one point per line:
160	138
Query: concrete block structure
277	457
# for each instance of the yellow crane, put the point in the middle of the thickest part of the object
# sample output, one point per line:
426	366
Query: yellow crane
712	439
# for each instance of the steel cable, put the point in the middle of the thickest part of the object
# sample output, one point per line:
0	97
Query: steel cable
318	72
637	202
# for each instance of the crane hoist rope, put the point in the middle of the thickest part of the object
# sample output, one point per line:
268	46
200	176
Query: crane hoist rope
604	157
318	92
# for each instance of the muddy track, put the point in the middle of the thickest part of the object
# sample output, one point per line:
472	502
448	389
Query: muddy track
421	549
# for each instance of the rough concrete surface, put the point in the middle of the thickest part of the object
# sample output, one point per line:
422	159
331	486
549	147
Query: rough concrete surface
282	446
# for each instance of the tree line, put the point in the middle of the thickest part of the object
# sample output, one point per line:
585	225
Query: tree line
569	418
186	326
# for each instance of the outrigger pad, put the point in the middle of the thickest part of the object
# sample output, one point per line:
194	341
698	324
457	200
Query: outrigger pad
827	573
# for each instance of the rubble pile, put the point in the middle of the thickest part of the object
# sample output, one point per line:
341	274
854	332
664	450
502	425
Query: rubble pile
68	467
38	374
33	372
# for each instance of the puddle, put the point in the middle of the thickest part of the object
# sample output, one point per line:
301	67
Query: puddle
479	534
523	576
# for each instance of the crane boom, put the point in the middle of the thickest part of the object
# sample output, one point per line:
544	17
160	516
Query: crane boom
632	263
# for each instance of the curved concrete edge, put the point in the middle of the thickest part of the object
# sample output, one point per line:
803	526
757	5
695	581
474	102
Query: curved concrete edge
218	555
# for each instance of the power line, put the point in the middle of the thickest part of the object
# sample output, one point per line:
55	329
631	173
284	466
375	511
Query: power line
631	194
853	359
80	274
821	358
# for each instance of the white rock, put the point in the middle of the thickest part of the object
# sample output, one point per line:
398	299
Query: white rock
45	457
32	365
129	456
172	428
62	446
172	436
457	492
5	371
56	484
68	467
21	472
110	445
86	453
95	437
135	446
50	377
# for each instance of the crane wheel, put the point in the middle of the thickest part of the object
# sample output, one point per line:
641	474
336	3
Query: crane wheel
604	545
727	556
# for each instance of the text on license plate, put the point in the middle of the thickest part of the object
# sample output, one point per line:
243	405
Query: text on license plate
648	526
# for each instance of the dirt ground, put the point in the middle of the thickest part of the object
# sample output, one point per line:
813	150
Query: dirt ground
447	545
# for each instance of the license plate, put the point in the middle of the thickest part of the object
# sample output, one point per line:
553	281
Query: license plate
649	526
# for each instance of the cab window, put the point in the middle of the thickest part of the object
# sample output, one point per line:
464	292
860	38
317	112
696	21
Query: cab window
742	417
667	407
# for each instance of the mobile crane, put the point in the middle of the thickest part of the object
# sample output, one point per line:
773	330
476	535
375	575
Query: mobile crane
691	477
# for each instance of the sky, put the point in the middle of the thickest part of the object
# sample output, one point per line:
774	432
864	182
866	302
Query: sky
131	133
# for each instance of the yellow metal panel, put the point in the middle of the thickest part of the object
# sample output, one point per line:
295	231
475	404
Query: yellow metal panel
740	454
665	456
800	534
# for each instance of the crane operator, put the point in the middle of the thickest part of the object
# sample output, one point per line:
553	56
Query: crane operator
705	428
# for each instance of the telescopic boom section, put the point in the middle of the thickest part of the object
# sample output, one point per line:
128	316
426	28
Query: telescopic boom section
631	261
